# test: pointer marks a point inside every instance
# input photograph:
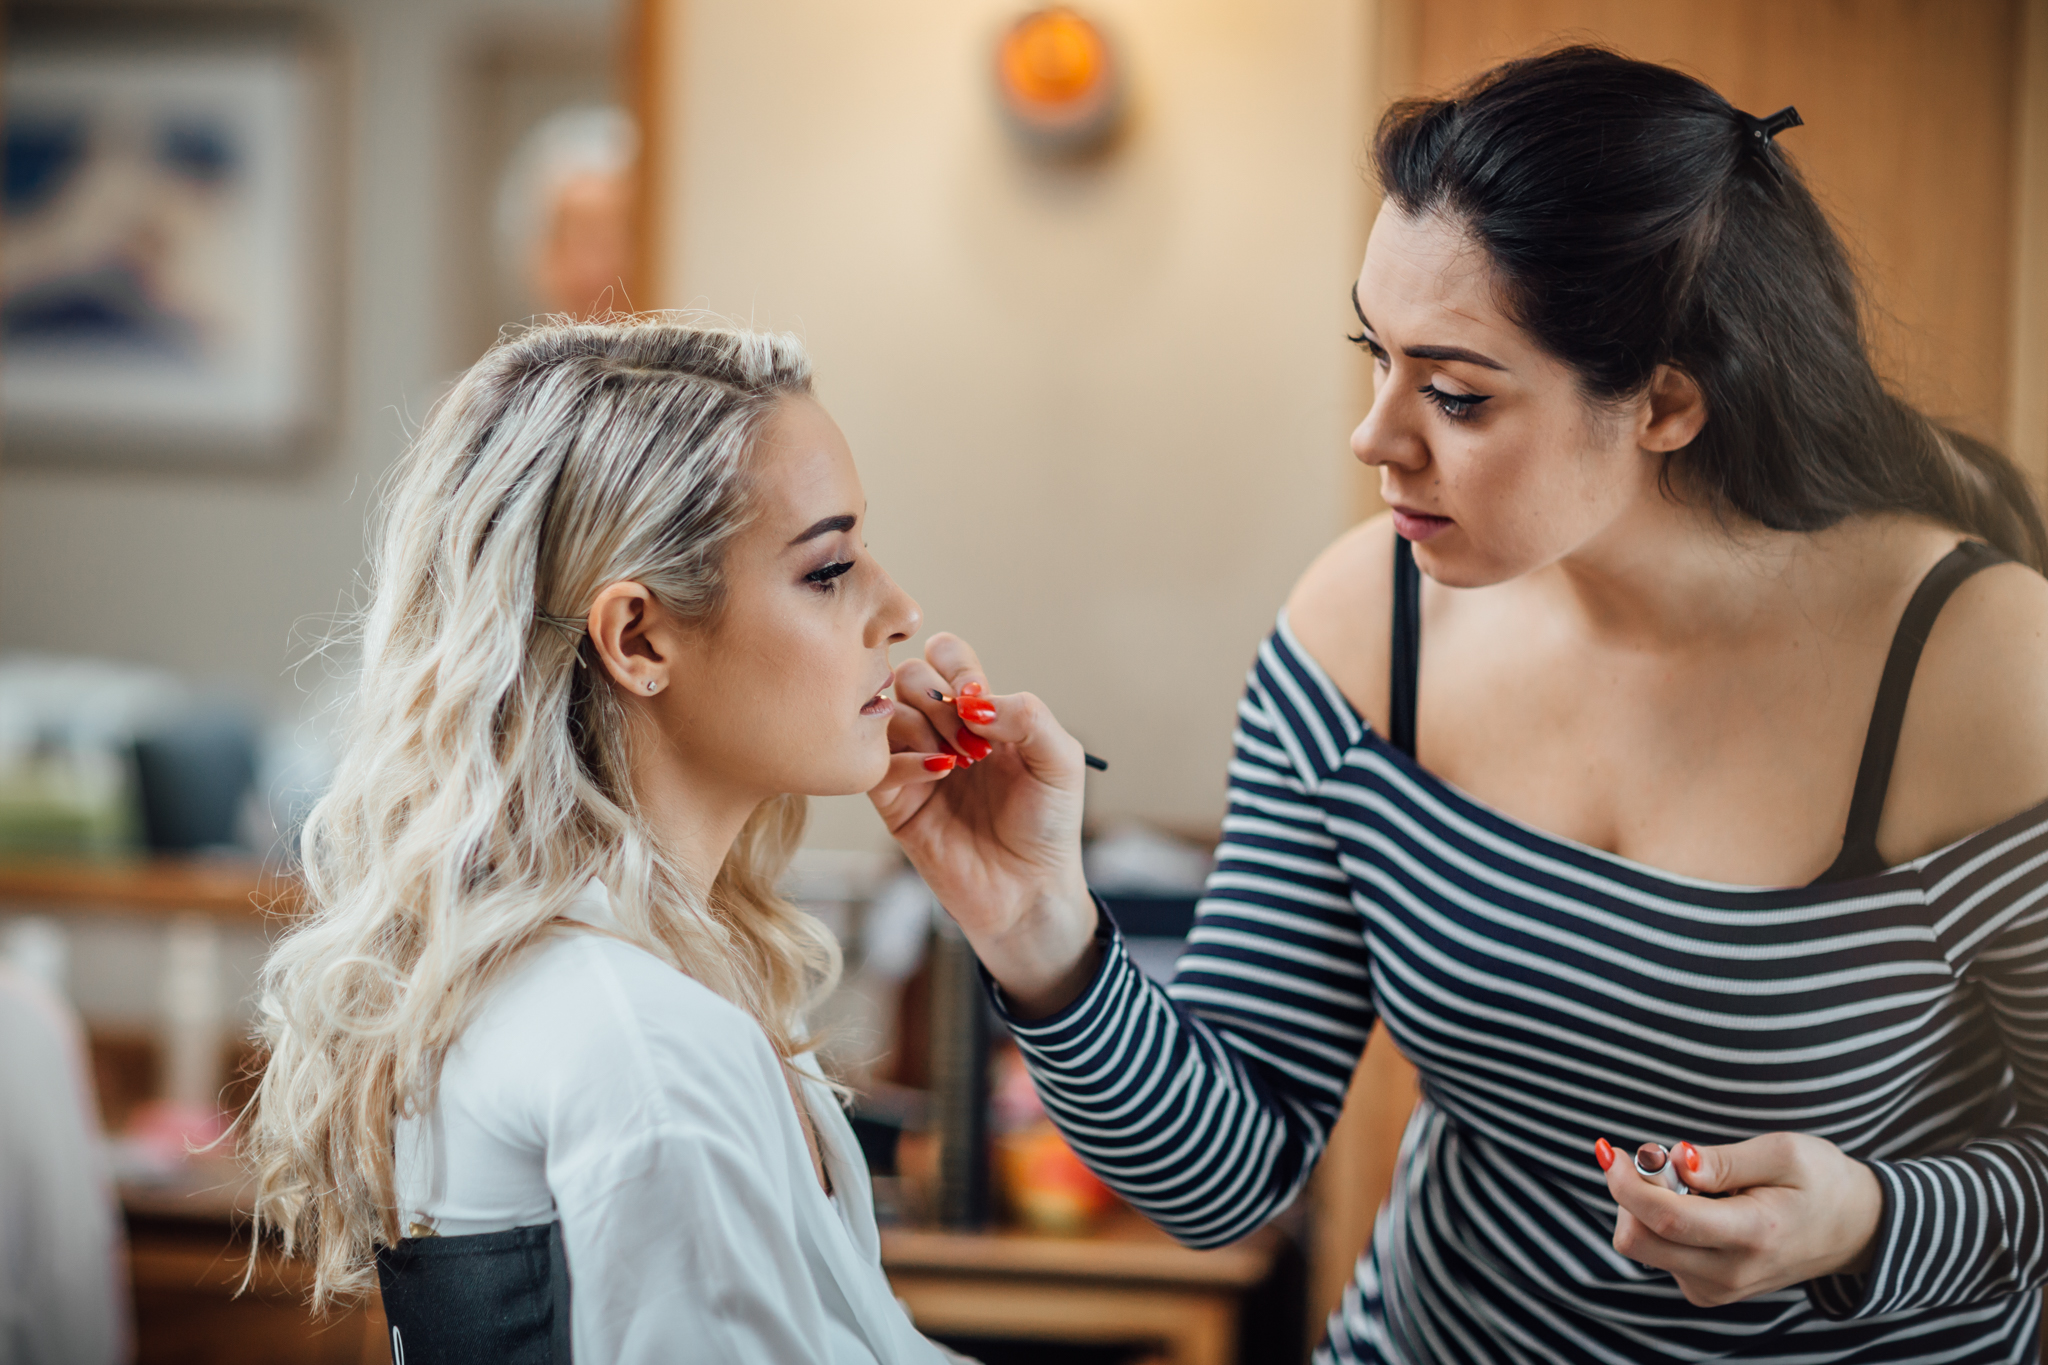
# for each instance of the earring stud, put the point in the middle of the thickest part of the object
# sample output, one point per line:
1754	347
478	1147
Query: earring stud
650	684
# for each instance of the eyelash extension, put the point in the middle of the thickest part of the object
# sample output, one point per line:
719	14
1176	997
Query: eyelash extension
822	578
1456	406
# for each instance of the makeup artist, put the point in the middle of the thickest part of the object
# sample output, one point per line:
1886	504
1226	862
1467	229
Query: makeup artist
1670	765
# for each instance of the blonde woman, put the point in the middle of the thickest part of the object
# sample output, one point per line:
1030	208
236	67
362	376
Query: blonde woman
537	1054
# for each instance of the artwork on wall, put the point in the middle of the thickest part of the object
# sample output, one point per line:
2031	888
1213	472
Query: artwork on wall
166	293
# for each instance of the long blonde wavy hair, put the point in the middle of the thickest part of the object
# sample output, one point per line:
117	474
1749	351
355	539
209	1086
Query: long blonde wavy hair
483	781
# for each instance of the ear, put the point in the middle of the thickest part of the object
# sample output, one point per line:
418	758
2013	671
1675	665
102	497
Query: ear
1675	412
635	637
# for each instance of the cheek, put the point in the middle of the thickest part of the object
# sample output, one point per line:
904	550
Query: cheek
1528	492
795	687
803	667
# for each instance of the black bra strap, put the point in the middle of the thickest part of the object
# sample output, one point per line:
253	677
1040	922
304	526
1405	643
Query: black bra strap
1859	856
1407	658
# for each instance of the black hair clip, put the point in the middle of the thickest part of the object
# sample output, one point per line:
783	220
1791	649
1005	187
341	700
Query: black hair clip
1764	129
1758	132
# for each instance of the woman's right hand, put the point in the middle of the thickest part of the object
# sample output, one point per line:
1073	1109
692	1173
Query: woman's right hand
997	836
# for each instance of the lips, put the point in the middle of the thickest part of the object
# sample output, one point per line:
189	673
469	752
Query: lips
1413	524
879	704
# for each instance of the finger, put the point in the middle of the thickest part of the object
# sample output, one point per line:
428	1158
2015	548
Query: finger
957	663
907	787
916	723
914	769
1706	1275
1772	1159
1024	721
924	688
934	724
1686	1220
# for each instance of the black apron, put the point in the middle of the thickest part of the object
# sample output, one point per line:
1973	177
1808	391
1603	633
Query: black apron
495	1298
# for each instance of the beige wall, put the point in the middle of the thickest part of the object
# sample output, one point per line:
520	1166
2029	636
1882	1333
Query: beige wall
1100	411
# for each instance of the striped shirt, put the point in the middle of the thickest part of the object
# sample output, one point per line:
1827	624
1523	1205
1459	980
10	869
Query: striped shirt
1550	993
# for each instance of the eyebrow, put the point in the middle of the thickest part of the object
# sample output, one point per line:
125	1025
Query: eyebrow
1430	352
843	522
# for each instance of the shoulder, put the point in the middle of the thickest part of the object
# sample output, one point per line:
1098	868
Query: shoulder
593	1026
581	983
1973	750
1341	612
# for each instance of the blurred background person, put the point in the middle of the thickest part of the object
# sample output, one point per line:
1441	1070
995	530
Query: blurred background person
63	1281
564	214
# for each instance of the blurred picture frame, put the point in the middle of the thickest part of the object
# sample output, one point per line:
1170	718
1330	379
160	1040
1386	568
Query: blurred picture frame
169	292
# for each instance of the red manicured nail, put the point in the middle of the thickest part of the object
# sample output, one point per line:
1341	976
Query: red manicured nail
1688	1156
973	689
974	745
980	712
1603	1153
940	763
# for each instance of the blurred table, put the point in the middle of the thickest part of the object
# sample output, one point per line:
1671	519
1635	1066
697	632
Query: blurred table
188	1251
220	888
1127	1284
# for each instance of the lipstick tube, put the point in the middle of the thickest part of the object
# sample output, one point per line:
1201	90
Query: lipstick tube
1654	1164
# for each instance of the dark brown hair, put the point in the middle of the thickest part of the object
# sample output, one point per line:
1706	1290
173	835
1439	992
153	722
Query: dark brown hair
1636	219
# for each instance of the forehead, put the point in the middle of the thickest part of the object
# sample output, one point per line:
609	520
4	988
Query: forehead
803	468
1427	282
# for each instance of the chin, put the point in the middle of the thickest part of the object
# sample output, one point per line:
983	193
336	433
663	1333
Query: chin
861	769
1446	564
1452	561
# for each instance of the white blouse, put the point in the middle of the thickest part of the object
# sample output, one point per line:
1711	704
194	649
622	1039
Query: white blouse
602	1087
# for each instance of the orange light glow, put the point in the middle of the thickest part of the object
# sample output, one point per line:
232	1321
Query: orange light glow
1052	59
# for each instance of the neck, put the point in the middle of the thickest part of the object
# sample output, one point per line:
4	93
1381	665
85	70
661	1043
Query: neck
696	821
1673	575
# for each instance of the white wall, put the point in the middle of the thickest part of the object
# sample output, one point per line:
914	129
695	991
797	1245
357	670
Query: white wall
208	575
1100	411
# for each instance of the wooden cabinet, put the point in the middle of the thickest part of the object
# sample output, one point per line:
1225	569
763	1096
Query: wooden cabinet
190	1308
1128	1285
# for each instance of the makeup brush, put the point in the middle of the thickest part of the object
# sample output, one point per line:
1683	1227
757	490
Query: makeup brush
1090	759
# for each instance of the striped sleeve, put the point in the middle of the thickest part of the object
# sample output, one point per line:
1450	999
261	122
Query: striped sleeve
1970	1224
1206	1104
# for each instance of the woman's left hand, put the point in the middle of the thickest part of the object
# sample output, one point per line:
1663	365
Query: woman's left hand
1798	1207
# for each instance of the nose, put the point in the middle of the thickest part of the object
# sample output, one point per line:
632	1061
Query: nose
1388	435
896	615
